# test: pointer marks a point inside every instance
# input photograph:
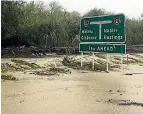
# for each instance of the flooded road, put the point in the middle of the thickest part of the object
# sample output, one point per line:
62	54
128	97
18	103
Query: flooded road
79	92
75	93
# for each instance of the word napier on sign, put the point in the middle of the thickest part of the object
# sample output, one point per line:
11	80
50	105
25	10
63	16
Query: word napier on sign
103	34
110	28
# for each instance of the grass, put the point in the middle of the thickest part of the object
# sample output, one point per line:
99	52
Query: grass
7	77
44	73
130	60
59	70
101	56
52	71
19	65
139	56
98	66
21	62
5	67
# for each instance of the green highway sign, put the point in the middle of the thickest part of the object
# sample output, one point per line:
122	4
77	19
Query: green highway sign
103	48
110	28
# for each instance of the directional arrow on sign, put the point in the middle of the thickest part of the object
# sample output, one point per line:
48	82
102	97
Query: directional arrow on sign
100	22
100	25
106	28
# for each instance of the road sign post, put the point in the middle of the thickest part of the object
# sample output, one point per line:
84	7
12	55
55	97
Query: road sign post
81	59
103	34
107	65
121	63
93	61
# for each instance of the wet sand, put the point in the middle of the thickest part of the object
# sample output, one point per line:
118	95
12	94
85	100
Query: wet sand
81	92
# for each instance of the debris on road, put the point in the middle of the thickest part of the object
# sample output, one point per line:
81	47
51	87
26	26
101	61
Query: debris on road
7	77
52	71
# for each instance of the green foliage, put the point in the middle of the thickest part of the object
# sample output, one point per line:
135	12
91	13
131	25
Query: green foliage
95	12
18	65
21	62
133	27
33	23
134	31
7	77
11	15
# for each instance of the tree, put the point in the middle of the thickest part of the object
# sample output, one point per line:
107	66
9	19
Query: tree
133	27
11	15
33	23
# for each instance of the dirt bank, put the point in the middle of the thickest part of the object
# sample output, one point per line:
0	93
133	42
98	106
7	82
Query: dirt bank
78	92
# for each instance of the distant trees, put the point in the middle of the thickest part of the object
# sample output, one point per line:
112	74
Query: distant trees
133	27
33	23
11	15
134	31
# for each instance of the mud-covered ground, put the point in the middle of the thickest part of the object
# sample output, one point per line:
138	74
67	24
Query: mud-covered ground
73	92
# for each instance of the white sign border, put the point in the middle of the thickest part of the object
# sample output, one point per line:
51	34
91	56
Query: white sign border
101	52
105	16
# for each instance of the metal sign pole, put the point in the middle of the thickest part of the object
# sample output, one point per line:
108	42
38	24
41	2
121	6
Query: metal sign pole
127	59
81	59
127	62
121	63
107	65
93	62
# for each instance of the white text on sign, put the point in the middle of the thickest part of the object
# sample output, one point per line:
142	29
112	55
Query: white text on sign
101	48
87	31
110	30
88	37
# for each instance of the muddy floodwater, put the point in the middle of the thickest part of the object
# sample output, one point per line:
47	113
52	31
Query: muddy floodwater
79	92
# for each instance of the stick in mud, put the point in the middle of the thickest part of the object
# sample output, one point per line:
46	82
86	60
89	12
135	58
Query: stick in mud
121	63
81	58
93	62
107	57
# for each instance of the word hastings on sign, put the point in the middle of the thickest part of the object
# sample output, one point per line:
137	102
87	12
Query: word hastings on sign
101	34
102	48
109	28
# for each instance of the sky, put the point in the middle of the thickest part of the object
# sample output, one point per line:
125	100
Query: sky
131	8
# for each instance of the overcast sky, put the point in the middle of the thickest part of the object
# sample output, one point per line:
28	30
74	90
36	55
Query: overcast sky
131	8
